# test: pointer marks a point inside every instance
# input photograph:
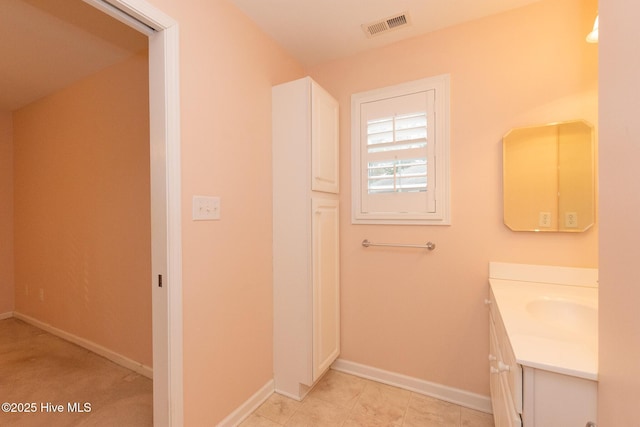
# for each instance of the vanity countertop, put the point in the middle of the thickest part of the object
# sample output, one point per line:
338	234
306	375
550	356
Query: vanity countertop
550	326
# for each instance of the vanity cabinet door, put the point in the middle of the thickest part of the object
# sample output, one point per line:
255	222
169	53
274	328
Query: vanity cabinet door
511	369
557	400
505	413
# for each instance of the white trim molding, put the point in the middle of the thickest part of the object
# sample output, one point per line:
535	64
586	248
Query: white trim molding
166	204
432	206
438	391
247	408
134	13
89	345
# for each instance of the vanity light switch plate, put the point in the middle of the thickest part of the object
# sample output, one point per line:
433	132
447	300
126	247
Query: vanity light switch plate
206	208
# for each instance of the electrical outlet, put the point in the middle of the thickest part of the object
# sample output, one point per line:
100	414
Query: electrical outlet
571	219
544	219
206	208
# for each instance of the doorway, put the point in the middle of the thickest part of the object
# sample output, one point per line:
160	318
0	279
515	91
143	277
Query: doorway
166	253
162	33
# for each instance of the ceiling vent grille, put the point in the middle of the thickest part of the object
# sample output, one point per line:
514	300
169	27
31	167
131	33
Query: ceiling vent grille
385	25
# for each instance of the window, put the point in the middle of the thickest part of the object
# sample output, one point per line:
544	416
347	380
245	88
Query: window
400	154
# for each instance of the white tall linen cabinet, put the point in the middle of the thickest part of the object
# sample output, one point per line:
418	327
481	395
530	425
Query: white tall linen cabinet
306	270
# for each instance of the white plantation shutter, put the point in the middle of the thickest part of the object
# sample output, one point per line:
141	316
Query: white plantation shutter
397	153
400	155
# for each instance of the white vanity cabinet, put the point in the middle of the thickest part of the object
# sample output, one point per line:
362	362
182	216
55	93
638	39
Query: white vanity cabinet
305	235
553	399
529	394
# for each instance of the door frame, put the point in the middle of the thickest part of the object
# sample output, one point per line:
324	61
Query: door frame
166	232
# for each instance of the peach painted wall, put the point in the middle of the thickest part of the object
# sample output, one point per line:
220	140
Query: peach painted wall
422	314
6	213
619	327
227	69
82	214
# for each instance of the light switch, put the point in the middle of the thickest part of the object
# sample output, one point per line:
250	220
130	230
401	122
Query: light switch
206	208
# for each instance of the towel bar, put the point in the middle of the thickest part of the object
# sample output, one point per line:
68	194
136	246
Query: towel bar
429	245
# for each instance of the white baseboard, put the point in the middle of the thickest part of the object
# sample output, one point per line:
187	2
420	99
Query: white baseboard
89	345
291	395
8	315
438	391
247	408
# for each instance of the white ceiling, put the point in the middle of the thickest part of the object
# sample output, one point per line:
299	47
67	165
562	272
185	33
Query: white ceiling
46	45
315	31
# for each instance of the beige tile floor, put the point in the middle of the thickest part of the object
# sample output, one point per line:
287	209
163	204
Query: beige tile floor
344	400
37	367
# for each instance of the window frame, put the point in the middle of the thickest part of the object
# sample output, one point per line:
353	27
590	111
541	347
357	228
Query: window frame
440	141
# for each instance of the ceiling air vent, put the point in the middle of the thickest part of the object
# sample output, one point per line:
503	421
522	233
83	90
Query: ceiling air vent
386	25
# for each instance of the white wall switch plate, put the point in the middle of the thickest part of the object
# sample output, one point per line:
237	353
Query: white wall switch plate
206	208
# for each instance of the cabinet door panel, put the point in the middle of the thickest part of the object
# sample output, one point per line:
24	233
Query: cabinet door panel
326	280
504	408
557	400
324	141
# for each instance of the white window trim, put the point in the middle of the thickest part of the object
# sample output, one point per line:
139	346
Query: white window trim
442	215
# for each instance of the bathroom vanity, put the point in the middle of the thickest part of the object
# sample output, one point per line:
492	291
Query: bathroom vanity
543	339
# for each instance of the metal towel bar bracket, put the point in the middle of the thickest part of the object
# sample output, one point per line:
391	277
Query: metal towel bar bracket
429	245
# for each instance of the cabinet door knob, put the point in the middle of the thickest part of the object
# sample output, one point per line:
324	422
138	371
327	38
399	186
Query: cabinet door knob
492	358
487	301
502	367
494	370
